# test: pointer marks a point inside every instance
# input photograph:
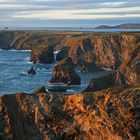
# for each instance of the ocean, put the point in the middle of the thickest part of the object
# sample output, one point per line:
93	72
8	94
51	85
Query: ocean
79	29
14	65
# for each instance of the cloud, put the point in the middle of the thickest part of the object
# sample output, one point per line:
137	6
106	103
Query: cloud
113	4
82	14
67	10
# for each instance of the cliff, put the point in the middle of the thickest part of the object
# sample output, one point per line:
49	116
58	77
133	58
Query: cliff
24	40
111	114
89	51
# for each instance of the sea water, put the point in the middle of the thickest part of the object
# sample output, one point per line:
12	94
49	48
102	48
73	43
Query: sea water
14	65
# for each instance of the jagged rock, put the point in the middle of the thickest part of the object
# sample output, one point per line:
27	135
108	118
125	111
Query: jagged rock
44	51
108	114
90	67
42	54
104	50
62	54
32	71
40	90
64	72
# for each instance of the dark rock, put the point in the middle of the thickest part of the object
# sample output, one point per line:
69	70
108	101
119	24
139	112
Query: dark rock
57	89
40	90
62	54
102	82
42	54
64	72
90	67
32	71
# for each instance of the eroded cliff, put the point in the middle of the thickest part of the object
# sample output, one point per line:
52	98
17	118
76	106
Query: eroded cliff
111	114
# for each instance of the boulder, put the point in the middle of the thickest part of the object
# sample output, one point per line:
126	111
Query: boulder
64	72
31	71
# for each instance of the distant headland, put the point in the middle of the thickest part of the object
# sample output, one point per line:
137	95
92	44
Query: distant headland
121	26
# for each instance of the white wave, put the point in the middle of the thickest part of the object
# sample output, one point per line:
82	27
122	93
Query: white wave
25	50
56	84
71	90
24	73
56	52
29	62
107	69
12	50
15	50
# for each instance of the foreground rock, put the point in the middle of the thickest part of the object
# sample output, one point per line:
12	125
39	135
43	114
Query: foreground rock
64	72
111	114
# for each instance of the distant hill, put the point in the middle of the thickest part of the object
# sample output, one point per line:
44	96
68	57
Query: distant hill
121	26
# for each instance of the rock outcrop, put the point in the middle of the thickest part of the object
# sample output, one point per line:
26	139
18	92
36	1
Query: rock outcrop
117	51
109	50
31	71
42	54
6	39
105	81
27	40
64	72
44	51
111	114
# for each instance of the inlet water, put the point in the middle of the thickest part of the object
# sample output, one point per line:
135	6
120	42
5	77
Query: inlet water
14	65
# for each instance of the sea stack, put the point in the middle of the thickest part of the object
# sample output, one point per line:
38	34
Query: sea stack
31	71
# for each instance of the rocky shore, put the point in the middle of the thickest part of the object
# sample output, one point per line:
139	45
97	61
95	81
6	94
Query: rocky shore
108	109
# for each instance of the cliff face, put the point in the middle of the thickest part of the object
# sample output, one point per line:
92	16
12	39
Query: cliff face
105	115
109	50
43	52
118	51
64	72
90	51
24	40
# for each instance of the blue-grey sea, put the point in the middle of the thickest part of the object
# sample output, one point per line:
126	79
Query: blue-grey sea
79	29
14	65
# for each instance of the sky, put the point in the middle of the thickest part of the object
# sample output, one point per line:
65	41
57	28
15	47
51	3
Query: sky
68	13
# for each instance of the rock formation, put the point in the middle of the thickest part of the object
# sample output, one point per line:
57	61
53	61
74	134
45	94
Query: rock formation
27	40
31	71
108	50
44	51
110	114
64	72
42	54
103	82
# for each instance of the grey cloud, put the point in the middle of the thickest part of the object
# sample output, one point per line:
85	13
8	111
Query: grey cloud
30	6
